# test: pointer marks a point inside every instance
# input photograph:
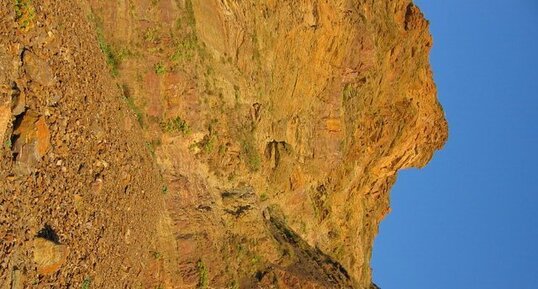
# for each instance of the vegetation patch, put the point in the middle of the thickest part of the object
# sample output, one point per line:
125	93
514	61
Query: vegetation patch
152	35
160	69
234	284
251	153
86	283
187	45
151	145
112	56
131	104
210	140
136	110
191	20
8	144
186	48
207	144
203	281
349	93
156	255
174	125
24	14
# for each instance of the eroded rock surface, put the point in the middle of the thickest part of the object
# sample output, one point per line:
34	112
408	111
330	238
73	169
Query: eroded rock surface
278	128
48	256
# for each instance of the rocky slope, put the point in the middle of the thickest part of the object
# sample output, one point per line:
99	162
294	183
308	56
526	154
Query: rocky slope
205	143
80	196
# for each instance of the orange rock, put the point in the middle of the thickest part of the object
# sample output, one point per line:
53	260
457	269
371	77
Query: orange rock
42	137
26	129
49	256
32	143
5	118
333	124
34	130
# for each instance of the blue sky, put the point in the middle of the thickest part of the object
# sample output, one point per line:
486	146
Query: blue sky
470	218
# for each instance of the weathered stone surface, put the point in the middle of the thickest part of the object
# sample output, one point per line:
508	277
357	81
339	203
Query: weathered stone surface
48	256
42	137
289	122
38	69
315	105
18	100
32	141
5	119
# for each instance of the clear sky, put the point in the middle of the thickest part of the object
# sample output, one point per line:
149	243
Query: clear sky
469	220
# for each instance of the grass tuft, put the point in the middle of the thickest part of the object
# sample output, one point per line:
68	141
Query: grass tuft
113	59
136	110
86	283
203	281
156	255
176	124
252	155
8	144
160	69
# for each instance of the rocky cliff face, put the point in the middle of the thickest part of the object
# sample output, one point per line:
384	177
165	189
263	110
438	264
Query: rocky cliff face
278	129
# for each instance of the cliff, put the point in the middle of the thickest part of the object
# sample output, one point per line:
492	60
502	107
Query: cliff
205	143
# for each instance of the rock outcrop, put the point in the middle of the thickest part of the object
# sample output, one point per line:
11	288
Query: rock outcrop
278	128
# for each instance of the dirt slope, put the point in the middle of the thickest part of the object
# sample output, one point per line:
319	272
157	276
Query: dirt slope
207	144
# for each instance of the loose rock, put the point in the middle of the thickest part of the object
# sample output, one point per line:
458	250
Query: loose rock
48	256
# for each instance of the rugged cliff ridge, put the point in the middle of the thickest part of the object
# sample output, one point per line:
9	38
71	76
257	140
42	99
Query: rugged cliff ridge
278	129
